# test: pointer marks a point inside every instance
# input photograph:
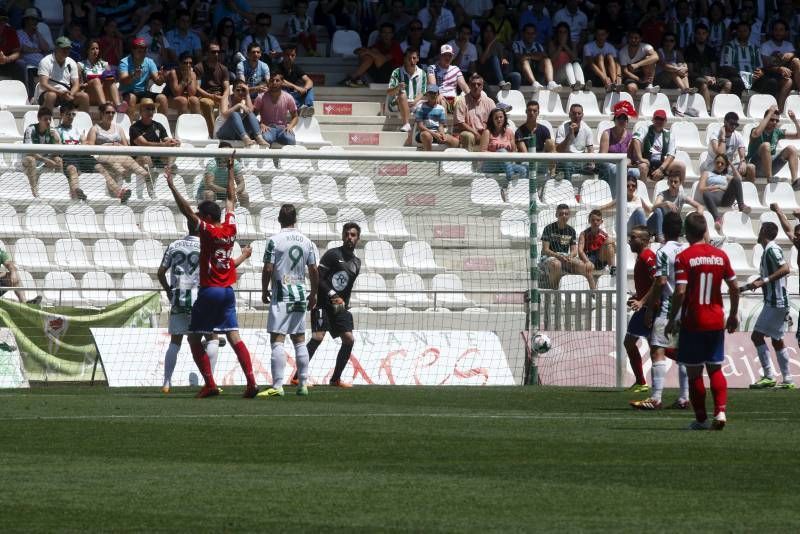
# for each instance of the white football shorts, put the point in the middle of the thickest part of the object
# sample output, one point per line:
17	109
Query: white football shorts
281	321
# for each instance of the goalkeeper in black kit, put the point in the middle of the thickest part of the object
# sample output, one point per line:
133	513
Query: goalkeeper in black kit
338	270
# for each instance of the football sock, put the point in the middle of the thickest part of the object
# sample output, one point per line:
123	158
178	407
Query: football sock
683	382
212	349
783	363
697	394
766	363
278	363
341	361
302	358
719	390
659	370
170	359
312	347
636	366
203	363
243	355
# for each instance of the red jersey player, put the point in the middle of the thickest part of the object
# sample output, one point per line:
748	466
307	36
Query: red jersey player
644	272
214	310
699	272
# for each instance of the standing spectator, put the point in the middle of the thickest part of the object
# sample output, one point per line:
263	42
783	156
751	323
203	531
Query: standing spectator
182	86
215	179
33	46
59	79
254	71
438	21
504	30
182	38
595	246
447	77
296	82
740	61
299	28
574	137
69	134
41	133
379	60
721	186
270	47
560	250
574	18
273	107
150	133
762	150
671	70
471	113
780	63
465	52
431	122
600	58
99	81
718	26
407	88
156	42
638	61
537	15
237	120
671	200
9	49
617	140
213	81
228	42
121	12
701	60
532	60
731	143
654	150
111	43
494	61
498	137
136	72
565	60
415	40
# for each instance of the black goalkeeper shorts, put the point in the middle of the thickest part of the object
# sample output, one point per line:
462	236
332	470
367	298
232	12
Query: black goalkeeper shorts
324	320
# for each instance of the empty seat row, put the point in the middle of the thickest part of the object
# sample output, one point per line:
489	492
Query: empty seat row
96	288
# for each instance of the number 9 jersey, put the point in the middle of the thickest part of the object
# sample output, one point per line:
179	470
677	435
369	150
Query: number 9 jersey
181	259
289	252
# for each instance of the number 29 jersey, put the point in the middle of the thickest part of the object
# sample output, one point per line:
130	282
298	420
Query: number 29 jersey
181	259
289	252
702	268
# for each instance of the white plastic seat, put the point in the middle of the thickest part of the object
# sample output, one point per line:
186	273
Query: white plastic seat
771	216
147	255
379	257
758	251
70	255
686	136
97	289
124	122
61	289
519	192
360	191
110	255
13	92
346	215
782	194
81	221
8	126
409	291
257	258
750	196
134	284
736	254
418	256
245	225
691	172
159	222
308	133
31	255
557	192
389	224
514	225
120	222
588	101
248	290
595	193
550	105
457	168
268	221
42	221
313	222
192	128
9	222
29	118
723	103
693	101
295	165
485	192
612	98
338	167
516	100
163	121
94	186
712	230
370	290
447	283
758	105
53	186
286	190
650	102
191	166
543	218
254	190
736	226
344	43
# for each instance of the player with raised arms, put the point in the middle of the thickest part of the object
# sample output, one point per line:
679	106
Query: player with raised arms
286	257
338	270
644	272
699	272
214	310
181	259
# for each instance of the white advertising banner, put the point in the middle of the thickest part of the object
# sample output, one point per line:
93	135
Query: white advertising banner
11	374
135	357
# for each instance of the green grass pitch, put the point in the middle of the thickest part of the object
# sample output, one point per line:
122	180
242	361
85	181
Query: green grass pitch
395	458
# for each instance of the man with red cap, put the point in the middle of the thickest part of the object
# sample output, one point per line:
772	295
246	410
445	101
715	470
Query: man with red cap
653	150
617	140
135	70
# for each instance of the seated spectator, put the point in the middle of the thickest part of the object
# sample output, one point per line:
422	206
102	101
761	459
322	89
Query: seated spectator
671	69
637	210
254	71
431	122
270	47
438	21
182	86
596	247
534	137
471	113
466	54
378	61
415	40
721	186
565	60
9	49
237	120
78	40
296	82
762	150
682	25
98	79
447	77
576	19
740	61
273	107
228	43
718	26
504	29
213	80
41	133
215	180
498	137
59	79
617	140
115	169
136	72
654	150
74	165
111	43
33	46
638	62
731	143
300	29
781	64
560	250
398	16
158	46
537	14
150	133
182	38
11	279
531	60
672	200
600	58
574	137
407	88
494	62
701	60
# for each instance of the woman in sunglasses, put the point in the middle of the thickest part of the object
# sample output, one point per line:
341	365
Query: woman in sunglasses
236	120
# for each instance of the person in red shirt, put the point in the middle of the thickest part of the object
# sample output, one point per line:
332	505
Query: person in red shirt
699	272
214	310
9	49
379	60
644	273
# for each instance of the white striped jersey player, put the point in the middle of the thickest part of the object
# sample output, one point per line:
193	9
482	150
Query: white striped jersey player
181	259
290	253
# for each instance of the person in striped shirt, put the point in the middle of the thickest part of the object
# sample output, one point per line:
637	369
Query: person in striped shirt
740	60
407	86
773	274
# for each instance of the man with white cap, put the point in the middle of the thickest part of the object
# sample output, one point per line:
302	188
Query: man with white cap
447	76
58	79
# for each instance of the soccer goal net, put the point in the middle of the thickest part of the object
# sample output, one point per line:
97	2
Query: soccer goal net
453	288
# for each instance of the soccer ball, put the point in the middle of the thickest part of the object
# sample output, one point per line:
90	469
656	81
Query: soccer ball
541	343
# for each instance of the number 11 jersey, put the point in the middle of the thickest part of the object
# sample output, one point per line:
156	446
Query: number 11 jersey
702	268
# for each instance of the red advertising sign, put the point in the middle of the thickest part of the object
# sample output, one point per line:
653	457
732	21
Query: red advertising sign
420	199
337	108
363	138
449	231
393	169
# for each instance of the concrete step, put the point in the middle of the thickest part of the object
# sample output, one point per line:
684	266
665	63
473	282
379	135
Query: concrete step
366	139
